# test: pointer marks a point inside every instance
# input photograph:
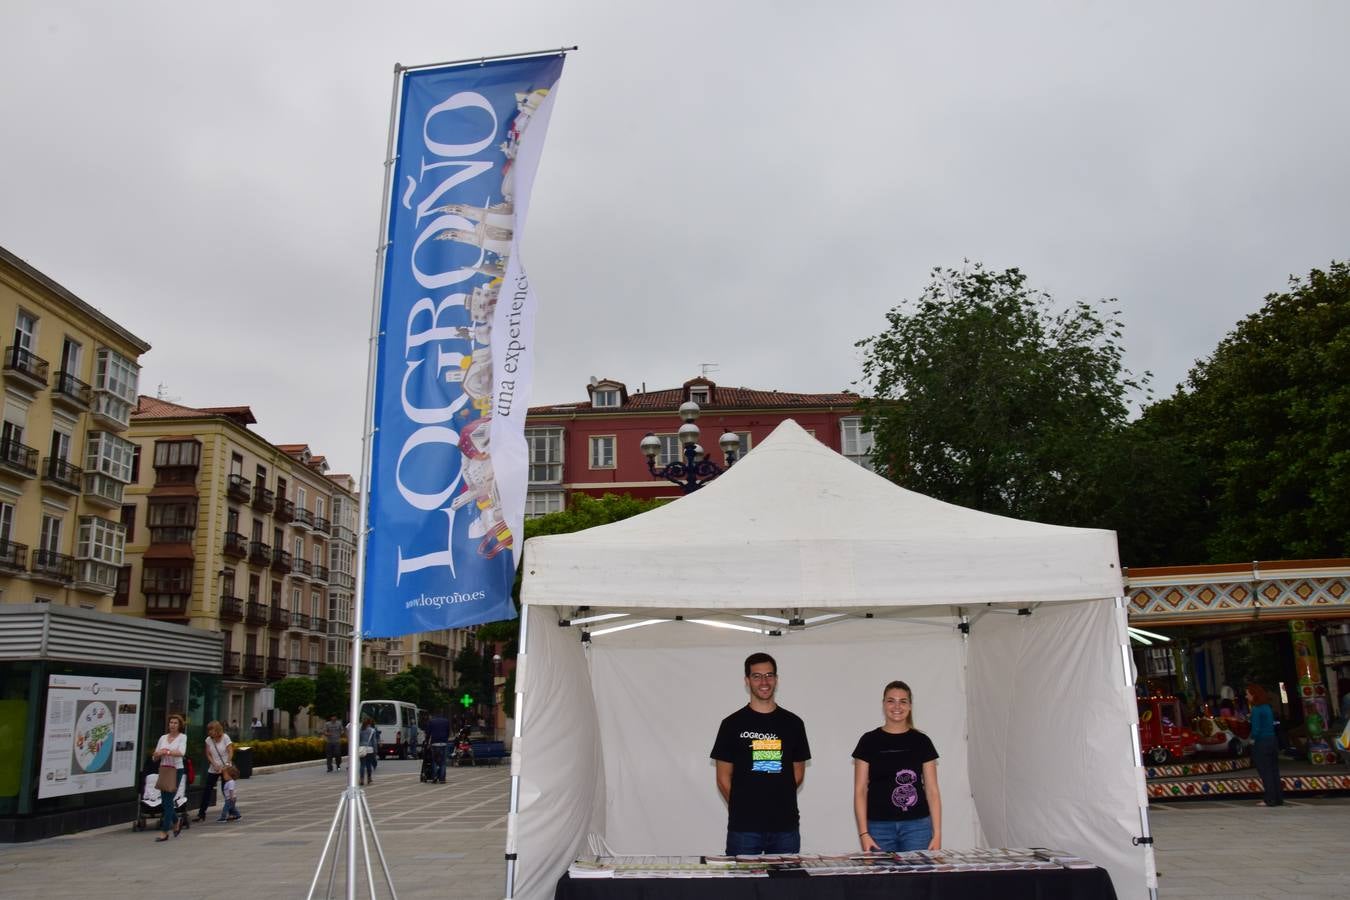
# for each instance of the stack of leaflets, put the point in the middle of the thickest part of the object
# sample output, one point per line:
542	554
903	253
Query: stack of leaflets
986	859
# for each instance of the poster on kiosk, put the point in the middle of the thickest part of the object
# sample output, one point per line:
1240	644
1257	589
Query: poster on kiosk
89	736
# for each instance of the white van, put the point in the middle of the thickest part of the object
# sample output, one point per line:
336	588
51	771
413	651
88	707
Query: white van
396	722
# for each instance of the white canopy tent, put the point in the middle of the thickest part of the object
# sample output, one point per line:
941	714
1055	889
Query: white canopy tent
1011	634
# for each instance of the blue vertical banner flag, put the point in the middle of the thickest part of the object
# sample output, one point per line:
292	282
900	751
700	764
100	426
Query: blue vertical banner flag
454	359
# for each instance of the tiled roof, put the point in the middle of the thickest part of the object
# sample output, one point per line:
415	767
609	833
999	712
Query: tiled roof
155	408
725	398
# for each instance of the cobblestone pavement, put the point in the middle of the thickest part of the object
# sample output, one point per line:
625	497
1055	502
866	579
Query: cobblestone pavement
446	841
440	840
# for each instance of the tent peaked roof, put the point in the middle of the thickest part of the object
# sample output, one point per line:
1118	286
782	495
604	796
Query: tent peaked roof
795	524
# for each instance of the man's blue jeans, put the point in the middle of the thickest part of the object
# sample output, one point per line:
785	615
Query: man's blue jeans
438	759
750	843
901	836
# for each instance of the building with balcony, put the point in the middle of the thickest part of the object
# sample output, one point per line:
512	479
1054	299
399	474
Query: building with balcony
226	531
592	446
70	379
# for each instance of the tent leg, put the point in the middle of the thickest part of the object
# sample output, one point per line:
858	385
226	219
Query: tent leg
1145	833
514	807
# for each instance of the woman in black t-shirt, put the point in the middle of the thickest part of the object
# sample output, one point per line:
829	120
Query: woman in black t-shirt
895	787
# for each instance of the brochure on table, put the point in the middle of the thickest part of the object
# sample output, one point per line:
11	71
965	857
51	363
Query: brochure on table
89	738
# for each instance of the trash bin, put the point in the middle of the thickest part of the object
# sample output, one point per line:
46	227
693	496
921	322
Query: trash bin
243	761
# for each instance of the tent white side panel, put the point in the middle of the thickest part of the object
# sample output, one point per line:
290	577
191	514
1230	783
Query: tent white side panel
661	692
561	770
1050	751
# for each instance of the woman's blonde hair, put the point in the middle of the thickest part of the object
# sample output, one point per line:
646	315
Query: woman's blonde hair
182	720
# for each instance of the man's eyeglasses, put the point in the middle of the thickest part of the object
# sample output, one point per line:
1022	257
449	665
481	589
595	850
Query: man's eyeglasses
763	676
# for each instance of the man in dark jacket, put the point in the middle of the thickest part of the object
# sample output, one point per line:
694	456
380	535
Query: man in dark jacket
438	736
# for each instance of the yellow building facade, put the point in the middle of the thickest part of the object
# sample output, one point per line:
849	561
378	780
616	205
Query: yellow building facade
70	378
229	532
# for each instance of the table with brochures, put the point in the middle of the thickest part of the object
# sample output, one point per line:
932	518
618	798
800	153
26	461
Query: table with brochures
1033	873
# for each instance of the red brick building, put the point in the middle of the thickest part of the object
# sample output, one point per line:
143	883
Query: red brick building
592	446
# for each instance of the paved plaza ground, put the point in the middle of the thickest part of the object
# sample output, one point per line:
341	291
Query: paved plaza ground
445	841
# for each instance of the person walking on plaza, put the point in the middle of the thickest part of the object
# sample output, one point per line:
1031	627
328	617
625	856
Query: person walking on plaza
219	754
1265	750
896	803
229	789
169	753
438	737
367	749
761	753
332	743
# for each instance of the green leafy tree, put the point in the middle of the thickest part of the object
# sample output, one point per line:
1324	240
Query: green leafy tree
404	686
983	394
291	695
332	693
432	695
468	666
1265	421
373	684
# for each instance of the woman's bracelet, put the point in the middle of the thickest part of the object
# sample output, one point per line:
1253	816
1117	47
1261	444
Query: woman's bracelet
863	833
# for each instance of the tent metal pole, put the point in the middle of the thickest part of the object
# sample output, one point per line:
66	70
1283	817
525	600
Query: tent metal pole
1145	834
514	807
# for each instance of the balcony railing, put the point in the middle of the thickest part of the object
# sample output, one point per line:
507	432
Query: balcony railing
304	667
320	573
285	510
71	391
263	499
303	568
30	368
231	609
103	490
280	618
322	524
255	613
303	517
320	626
239	488
62	475
48	565
281	560
276	667
169	606
230	665
300	621
18	458
431	648
13	557
253	665
259	553
236	545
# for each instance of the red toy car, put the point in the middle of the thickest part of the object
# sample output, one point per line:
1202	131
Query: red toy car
1162	736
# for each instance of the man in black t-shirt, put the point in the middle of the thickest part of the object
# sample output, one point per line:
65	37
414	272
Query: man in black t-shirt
761	753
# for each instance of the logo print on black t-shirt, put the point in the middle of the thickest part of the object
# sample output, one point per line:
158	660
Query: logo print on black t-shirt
905	796
766	755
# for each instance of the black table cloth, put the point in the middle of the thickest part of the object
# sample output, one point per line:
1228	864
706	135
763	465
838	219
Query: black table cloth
1017	884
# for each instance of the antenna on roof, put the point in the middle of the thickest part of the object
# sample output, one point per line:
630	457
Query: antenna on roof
162	393
594	381
709	368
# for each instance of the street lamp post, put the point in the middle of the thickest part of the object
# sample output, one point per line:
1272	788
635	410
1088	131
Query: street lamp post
696	469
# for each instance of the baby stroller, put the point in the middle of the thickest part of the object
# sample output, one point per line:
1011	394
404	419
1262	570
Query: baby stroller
149	804
428	772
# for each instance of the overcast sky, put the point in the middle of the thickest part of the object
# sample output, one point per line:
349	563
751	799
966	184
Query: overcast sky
750	184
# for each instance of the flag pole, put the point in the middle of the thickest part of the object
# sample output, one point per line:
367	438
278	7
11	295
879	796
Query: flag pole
561	51
353	807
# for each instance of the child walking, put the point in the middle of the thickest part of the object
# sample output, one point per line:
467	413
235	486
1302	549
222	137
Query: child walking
230	789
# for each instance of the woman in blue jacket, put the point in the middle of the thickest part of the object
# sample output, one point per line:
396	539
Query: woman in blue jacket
1265	750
